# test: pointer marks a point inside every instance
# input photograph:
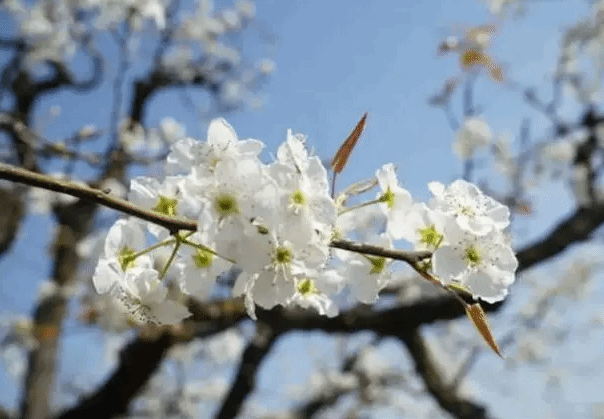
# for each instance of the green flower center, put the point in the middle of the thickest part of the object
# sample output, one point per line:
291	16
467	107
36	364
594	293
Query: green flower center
282	256
430	236
377	265
467	211
225	205
297	198
126	258
388	198
306	287
203	258
473	256
166	206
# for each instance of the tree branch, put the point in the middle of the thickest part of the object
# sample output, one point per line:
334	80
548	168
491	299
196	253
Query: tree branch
444	394
138	361
245	380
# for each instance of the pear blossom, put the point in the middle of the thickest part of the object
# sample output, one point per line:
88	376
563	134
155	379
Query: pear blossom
166	197
395	200
366	274
222	144
273	223
143	297
274	265
473	211
485	265
425	227
316	292
302	188
200	266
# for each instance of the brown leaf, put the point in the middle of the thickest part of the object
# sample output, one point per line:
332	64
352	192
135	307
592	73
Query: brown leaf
479	319
496	72
339	161
472	57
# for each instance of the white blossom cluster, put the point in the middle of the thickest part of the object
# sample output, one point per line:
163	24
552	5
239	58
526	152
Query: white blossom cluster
274	222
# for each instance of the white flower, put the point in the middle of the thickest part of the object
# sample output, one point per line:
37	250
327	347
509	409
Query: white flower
143	298
167	198
132	136
272	262
483	264
366	275
124	239
315	292
199	266
222	144
396	200
474	134
474	212
425	228
302	195
170	130
361	221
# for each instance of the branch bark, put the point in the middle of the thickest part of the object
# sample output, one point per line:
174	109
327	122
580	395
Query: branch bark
245	381
436	384
138	361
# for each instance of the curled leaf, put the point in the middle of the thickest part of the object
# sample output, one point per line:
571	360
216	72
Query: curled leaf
341	157
479	319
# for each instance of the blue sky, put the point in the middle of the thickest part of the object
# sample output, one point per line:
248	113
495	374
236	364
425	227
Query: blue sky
335	61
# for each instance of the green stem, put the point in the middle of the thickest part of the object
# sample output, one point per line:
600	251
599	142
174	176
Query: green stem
170	260
207	249
357	206
155	246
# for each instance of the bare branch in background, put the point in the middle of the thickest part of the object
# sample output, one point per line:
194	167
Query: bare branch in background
446	395
251	360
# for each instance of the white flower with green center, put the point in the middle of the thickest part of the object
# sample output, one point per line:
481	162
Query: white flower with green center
395	200
222	144
309	295
304	201
474	212
366	275
485	265
125	239
200	266
236	189
272	264
425	228
167	198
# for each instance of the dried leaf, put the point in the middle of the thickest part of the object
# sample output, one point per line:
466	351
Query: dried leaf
496	72
472	57
479	319
339	161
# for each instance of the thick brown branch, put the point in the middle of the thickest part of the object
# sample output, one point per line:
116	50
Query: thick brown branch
138	361
245	381
74	223
436	384
574	229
